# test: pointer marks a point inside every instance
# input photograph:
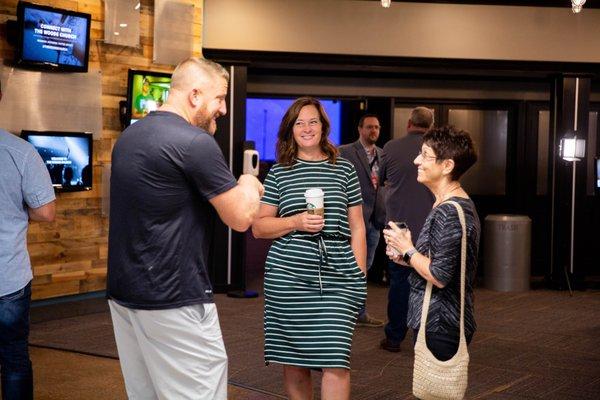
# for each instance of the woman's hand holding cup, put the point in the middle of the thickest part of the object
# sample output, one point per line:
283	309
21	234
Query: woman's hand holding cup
306	222
393	254
398	240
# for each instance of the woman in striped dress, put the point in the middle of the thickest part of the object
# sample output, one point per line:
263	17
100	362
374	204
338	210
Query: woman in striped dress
315	270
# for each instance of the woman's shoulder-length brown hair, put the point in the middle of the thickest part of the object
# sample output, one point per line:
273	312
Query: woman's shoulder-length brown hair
287	148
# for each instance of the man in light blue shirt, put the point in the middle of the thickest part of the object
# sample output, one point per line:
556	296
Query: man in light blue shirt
25	193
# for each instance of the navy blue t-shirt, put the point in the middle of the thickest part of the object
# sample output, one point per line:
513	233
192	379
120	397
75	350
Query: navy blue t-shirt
164	171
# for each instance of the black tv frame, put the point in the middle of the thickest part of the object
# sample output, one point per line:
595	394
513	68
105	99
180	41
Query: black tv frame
25	133
130	74
43	65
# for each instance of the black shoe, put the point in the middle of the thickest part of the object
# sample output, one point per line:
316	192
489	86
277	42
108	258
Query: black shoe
368	321
389	346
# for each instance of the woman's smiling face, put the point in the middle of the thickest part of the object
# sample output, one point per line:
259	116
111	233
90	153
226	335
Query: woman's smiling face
308	128
428	170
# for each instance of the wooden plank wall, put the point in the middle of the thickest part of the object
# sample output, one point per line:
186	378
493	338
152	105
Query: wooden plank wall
69	255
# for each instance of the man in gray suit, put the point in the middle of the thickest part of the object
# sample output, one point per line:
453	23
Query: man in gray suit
367	159
406	201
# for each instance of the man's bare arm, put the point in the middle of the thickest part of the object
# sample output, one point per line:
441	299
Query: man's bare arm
238	206
45	213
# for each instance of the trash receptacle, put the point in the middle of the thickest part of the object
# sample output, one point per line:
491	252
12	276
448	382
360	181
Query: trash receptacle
507	252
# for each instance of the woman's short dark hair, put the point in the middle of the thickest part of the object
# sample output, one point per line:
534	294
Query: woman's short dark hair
287	149
449	143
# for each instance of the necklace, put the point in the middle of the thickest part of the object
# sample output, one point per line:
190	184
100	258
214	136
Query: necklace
446	195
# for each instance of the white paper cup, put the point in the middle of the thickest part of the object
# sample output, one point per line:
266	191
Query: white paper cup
315	201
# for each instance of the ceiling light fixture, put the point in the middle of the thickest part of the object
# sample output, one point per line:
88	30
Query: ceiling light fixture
577	5
388	3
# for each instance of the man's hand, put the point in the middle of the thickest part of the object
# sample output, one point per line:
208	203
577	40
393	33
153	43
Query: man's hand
251	181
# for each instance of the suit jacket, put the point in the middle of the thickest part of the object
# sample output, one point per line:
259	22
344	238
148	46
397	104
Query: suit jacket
407	200
373	200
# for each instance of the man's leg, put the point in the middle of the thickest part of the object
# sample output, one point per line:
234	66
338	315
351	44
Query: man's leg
372	241
184	352
364	319
138	382
395	329
15	366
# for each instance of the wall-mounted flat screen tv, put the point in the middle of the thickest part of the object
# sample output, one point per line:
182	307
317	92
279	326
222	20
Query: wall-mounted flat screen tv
263	116
67	155
146	91
597	168
52	38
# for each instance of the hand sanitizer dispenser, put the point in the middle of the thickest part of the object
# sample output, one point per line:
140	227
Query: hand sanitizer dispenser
251	159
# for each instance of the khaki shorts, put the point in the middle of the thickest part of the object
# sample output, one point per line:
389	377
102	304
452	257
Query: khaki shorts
171	354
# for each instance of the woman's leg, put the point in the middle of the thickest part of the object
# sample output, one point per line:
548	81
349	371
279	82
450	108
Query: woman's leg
297	381
335	384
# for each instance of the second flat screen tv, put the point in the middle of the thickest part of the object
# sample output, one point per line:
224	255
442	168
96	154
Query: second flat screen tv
67	155
146	91
53	38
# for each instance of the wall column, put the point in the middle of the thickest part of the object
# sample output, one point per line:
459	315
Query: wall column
227	253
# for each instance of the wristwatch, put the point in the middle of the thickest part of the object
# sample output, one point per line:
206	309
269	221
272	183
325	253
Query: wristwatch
409	253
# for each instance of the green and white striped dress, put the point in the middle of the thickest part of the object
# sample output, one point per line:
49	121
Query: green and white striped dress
313	285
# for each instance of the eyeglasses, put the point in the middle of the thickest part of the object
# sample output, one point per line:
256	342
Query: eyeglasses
426	157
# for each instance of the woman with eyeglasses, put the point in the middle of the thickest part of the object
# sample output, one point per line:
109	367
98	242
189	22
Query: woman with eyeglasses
446	154
315	280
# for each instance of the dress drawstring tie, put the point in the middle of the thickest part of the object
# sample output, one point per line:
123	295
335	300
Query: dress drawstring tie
322	247
322	259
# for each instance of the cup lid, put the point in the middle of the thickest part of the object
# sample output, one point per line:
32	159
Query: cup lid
314	192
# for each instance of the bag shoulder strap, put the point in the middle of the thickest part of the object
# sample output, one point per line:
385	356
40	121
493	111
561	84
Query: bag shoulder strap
429	287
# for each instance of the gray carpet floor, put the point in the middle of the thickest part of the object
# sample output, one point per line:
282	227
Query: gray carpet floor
535	345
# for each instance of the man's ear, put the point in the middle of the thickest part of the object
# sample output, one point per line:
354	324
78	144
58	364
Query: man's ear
194	98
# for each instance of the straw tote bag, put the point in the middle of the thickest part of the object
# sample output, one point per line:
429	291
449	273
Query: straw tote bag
443	380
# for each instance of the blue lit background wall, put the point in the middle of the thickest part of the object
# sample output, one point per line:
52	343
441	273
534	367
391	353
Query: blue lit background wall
263	116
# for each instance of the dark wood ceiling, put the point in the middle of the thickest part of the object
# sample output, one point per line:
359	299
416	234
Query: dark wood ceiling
527	3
